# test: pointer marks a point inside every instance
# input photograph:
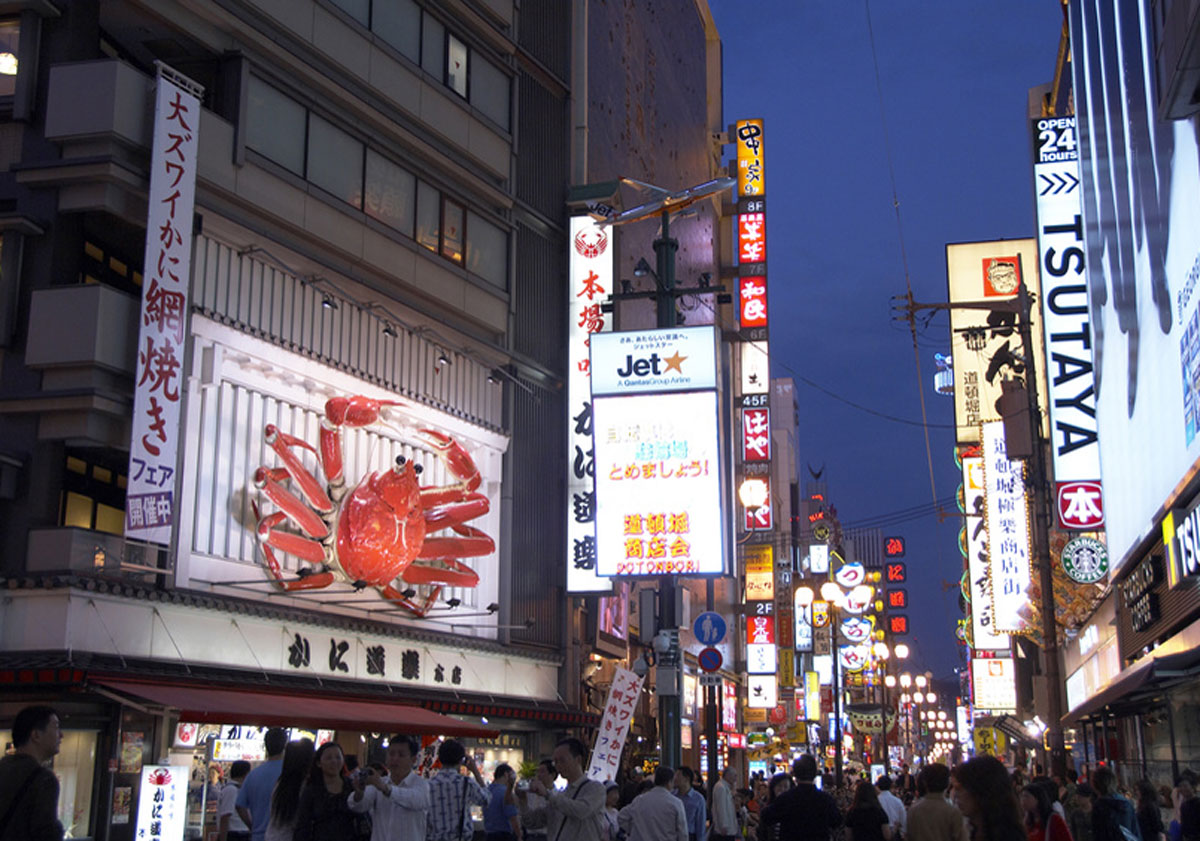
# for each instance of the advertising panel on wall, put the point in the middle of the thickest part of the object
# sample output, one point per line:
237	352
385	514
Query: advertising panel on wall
590	266
985	344
984	635
1141	174
150	502
657	453
993	686
1007	525
1071	378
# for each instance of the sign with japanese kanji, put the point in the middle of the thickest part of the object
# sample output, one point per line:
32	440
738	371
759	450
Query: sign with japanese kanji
760	518
658	485
895	572
1080	505
756	435
590	270
760	572
751	173
1072	380
984	635
762	691
985	343
614	725
893	547
162	802
752	238
1007	522
752	302
162	333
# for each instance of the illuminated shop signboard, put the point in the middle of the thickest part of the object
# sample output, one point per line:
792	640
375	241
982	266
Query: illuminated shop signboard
979	569
1181	537
1007	525
658	454
751	173
993	686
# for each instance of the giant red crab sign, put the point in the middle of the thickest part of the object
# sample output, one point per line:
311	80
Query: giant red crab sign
373	533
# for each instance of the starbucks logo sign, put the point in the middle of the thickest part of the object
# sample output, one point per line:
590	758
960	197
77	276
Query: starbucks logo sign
1085	560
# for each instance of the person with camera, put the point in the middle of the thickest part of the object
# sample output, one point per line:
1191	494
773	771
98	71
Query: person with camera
398	803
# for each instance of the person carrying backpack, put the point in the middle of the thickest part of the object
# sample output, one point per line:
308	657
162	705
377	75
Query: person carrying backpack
1113	816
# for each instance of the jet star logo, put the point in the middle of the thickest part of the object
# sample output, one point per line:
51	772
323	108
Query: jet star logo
652	364
1080	506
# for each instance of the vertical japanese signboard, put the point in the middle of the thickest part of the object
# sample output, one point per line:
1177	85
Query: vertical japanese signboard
591	267
986	345
751	174
1007	524
162	803
657	453
150	508
614	725
984	635
1072	380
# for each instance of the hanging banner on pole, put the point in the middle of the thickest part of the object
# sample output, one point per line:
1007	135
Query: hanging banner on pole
153	453
614	726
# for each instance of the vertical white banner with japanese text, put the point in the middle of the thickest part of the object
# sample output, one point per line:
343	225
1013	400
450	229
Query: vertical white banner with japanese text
150	499
162	803
614	726
1006	520
591	268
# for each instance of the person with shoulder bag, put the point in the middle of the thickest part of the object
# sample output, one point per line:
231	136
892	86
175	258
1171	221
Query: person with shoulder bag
574	813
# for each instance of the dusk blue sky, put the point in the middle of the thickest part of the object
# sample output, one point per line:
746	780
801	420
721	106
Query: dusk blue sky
955	79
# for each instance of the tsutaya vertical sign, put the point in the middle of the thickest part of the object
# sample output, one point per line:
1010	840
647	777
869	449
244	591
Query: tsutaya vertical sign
591	267
154	448
983	615
1072	380
614	726
1008	532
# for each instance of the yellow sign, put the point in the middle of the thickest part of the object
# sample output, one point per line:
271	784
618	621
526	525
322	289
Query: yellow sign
787	667
820	613
760	557
760	573
812	696
751	176
985	741
797	734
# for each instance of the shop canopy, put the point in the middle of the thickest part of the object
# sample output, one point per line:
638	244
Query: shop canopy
209	705
1128	692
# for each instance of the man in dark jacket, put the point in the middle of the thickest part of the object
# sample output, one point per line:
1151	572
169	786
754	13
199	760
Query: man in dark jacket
803	813
28	789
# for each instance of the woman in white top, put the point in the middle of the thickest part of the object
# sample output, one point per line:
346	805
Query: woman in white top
285	798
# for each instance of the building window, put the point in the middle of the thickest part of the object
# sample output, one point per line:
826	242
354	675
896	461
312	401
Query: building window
456	66
490	91
335	161
101	265
391	194
433	47
452	230
10	38
93	495
275	126
429	216
398	22
360	10
487	250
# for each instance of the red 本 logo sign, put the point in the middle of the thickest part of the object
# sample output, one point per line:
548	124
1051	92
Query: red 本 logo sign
1080	506
752	301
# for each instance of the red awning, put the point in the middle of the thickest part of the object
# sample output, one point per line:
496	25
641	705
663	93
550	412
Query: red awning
208	705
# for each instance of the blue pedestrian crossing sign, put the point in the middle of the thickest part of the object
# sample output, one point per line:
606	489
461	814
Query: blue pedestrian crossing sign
709	628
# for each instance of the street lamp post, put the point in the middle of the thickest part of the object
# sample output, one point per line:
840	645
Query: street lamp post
900	651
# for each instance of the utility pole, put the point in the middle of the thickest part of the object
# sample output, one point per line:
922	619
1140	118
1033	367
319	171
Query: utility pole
1037	482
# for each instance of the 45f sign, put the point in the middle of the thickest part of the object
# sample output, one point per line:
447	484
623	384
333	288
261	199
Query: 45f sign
1070	374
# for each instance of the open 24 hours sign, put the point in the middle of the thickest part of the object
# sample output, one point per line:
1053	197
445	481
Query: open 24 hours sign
658	456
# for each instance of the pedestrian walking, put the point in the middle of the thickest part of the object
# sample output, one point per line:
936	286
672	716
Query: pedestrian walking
1079	818
230	826
803	813
324	813
632	787
254	797
610	827
1113	816
988	801
657	815
533	806
694	806
933	817
866	820
724	813
501	817
893	806
1042	823
285	798
28	789
452	794
1149	815
398	803
572	814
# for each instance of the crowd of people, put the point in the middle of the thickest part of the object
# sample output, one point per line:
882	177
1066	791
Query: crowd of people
307	793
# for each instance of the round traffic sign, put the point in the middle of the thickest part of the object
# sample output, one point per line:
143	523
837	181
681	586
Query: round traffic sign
710	659
709	628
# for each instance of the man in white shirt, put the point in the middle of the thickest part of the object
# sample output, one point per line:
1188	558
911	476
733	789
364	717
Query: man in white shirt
724	813
656	815
230	826
572	814
399	805
893	806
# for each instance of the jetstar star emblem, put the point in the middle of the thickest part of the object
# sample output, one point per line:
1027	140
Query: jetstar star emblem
675	363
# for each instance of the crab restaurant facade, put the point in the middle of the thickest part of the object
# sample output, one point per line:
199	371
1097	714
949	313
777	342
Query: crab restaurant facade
273	432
